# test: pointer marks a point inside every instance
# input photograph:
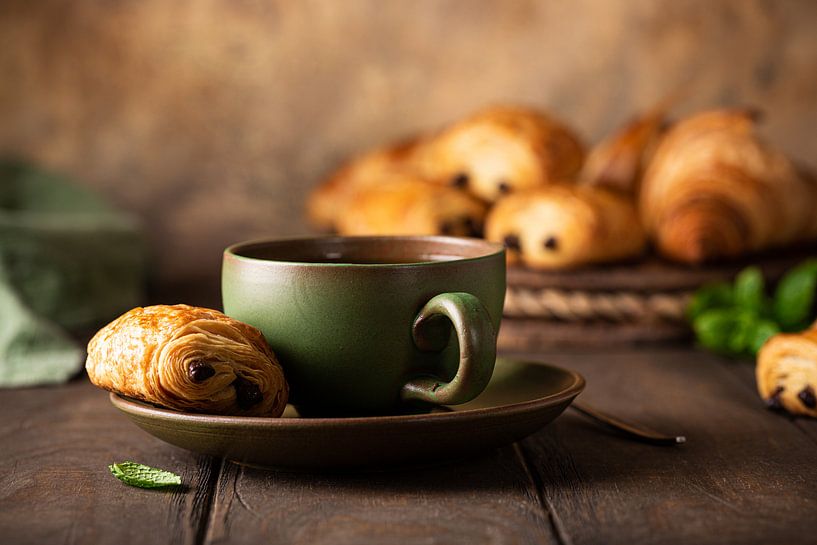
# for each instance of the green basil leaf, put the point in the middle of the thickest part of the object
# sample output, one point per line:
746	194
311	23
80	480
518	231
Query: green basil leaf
143	476
763	330
742	332
715	329
750	290
708	297
794	297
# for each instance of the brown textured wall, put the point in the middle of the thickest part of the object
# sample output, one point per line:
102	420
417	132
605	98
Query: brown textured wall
213	118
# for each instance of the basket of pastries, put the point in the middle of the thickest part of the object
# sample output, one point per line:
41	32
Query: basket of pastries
604	245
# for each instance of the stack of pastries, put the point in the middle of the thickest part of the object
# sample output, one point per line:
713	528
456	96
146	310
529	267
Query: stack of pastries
702	189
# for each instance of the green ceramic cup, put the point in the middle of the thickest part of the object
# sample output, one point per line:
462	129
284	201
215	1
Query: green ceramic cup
367	325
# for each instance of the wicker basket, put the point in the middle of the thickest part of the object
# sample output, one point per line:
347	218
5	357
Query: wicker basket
621	304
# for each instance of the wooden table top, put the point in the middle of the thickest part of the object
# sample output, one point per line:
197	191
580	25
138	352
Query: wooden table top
746	475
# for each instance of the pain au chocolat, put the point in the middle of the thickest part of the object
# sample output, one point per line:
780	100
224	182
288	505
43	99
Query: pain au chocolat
190	359
786	372
564	226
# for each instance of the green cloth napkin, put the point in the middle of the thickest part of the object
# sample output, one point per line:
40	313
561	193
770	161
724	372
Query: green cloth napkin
69	262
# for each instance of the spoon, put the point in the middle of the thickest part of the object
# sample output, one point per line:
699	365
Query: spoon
627	429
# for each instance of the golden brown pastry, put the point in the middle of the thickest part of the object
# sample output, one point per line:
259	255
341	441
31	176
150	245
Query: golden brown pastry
412	206
503	149
190	359
786	372
713	189
564	226
617	162
331	197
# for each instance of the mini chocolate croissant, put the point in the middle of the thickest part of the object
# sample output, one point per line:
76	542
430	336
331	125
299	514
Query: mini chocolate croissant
565	226
714	189
190	359
502	149
412	206
329	199
786	372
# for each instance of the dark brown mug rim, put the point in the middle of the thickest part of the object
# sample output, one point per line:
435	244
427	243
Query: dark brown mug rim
488	250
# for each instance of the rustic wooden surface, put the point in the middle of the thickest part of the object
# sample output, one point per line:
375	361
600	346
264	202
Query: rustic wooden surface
745	476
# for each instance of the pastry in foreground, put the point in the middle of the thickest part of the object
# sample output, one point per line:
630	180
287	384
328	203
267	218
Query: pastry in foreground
412	206
190	359
565	226
329	199
786	372
502	149
714	189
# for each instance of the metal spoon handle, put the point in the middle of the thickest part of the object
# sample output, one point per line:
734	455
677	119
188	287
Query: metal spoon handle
637	433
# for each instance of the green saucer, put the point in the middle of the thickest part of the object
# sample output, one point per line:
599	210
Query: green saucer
521	398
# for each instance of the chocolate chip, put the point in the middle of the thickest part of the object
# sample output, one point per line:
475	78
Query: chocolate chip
512	243
473	227
446	228
773	402
807	398
247	393
200	371
460	180
504	188
552	243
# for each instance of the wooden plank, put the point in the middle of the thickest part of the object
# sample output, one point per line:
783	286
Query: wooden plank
745	475
745	372
55	446
487	500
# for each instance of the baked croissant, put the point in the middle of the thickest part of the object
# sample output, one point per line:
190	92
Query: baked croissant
618	161
564	226
190	359
412	206
502	149
331	197
713	189
786	372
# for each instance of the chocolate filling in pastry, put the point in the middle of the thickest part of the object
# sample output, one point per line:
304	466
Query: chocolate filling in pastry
774	400
200	371
465	226
473	227
460	180
247	393
512	243
807	397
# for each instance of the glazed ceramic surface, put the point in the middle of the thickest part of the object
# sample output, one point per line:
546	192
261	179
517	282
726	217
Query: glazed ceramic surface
363	325
521	398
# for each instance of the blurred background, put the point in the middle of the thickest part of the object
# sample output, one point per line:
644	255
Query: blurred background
212	119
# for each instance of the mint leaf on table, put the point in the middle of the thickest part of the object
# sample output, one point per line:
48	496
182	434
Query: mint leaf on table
143	476
794	297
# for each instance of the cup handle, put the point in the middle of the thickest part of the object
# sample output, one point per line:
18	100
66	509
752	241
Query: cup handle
477	340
